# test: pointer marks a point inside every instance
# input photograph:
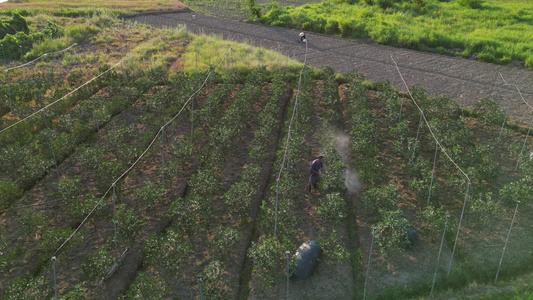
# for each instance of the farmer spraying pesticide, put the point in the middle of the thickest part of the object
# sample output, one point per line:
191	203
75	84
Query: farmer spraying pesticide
314	172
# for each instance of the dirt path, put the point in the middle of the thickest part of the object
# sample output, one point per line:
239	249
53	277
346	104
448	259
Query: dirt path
467	81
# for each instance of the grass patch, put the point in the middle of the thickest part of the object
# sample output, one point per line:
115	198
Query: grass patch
81	5
496	31
205	51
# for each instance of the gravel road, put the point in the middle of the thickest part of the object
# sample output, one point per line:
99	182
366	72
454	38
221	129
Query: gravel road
466	81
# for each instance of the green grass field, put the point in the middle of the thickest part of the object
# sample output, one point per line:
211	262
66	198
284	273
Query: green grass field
497	32
130	5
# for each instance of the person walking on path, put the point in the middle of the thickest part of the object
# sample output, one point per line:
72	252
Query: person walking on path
302	37
314	172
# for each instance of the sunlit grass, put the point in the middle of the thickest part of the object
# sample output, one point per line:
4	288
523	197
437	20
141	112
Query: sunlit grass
205	51
499	32
129	5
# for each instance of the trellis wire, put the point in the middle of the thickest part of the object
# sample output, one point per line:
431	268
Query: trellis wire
529	127
506	241
423	116
133	165
50	104
369	261
296	113
287	143
22	66
38	58
438	256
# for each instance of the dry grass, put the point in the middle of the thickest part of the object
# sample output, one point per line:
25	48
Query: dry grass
129	5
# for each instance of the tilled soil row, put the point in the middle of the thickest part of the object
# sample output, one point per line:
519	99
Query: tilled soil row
466	81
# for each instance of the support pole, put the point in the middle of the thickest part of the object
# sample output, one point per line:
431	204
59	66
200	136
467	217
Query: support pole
55	278
276	211
9	92
288	253
369	260
523	145
95	113
199	279
417	135
163	155
458	229
115	218
433	171
438	257
506	241
192	120
49	138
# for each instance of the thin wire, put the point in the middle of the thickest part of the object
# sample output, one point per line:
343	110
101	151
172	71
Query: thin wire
293	113
28	63
427	123
138	159
520	93
44	108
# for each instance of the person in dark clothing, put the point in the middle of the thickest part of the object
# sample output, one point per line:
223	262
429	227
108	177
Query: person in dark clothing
314	172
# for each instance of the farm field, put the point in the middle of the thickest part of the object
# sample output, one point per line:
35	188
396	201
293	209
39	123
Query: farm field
145	159
493	31
64	5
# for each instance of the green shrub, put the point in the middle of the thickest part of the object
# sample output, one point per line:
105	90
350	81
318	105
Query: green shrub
333	209
9	192
391	232
97	264
529	61
150	195
381	198
146	286
213	279
489	111
484	210
268	257
78	293
52	30
224	241
373	172
17	23
435	218
521	190
168	250
17	45
384	4
82	33
471	3
26	288
129	225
